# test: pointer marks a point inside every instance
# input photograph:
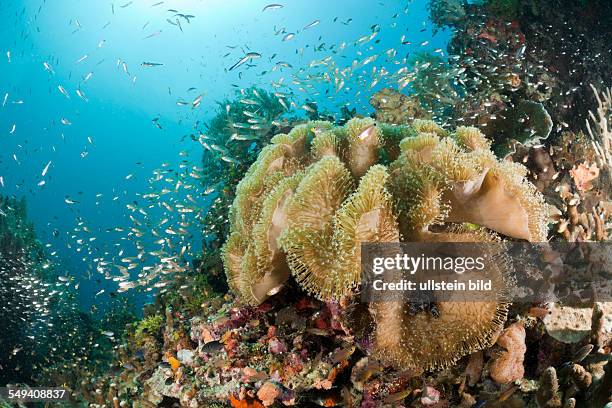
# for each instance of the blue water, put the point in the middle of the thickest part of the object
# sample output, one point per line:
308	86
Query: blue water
105	156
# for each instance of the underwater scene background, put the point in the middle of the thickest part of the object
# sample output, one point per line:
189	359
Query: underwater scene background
185	186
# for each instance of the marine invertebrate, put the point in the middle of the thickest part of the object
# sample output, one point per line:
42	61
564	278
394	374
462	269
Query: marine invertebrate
547	395
303	189
456	329
393	107
315	194
528	123
459	180
232	139
324	246
568	176
600	127
507	366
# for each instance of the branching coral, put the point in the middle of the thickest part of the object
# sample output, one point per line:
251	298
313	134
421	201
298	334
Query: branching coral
315	194
600	130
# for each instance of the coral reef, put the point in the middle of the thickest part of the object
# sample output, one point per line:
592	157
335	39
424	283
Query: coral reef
568	175
507	51
294	350
303	206
600	127
149	326
293	332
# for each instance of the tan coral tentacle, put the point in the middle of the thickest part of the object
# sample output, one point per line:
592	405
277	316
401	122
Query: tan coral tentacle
308	240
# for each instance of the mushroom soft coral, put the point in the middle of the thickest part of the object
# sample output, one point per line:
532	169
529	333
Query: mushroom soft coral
440	180
428	126
366	216
364	139
253	263
270	269
472	138
232	254
318	192
424	341
327	143
327	226
308	239
256	267
249	192
495	200
312	225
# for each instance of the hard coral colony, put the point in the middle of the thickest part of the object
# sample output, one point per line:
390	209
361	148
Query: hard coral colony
315	194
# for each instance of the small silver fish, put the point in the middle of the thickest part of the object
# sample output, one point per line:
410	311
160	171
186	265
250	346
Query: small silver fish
47	67
81	95
273	6
248	57
582	353
46	169
313	24
63	91
151	64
